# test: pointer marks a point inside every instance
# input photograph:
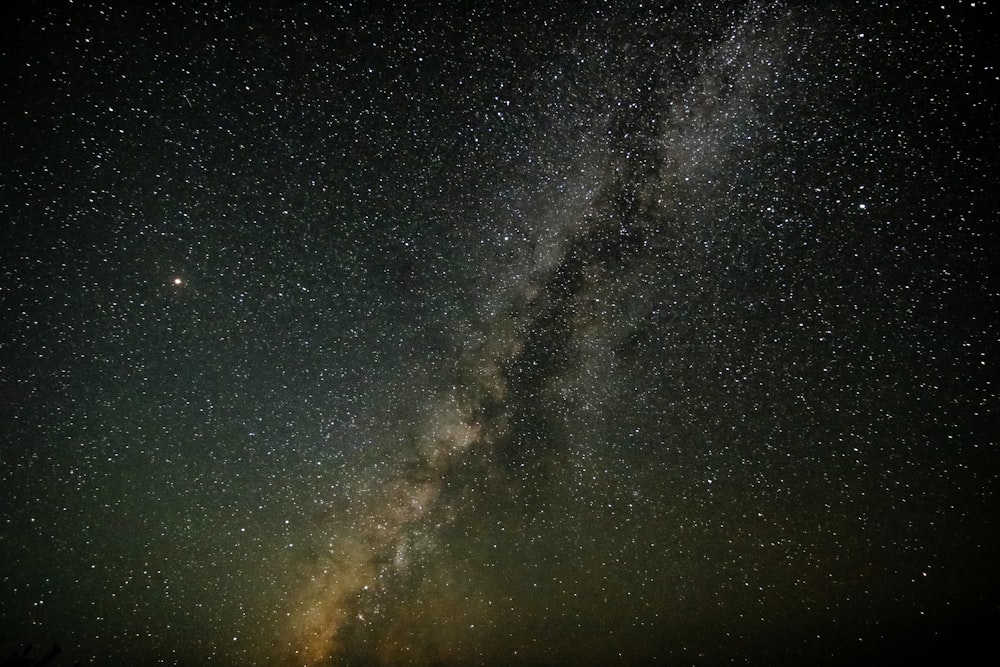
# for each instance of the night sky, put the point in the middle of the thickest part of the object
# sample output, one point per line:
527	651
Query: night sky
514	333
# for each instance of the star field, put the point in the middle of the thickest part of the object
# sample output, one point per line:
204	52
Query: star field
595	333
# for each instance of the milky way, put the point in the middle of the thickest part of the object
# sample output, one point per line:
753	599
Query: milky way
591	334
703	173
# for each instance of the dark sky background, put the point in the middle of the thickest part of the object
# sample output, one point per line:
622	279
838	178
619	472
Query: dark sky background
495	333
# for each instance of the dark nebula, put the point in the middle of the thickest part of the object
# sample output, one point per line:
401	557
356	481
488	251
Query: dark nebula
590	333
